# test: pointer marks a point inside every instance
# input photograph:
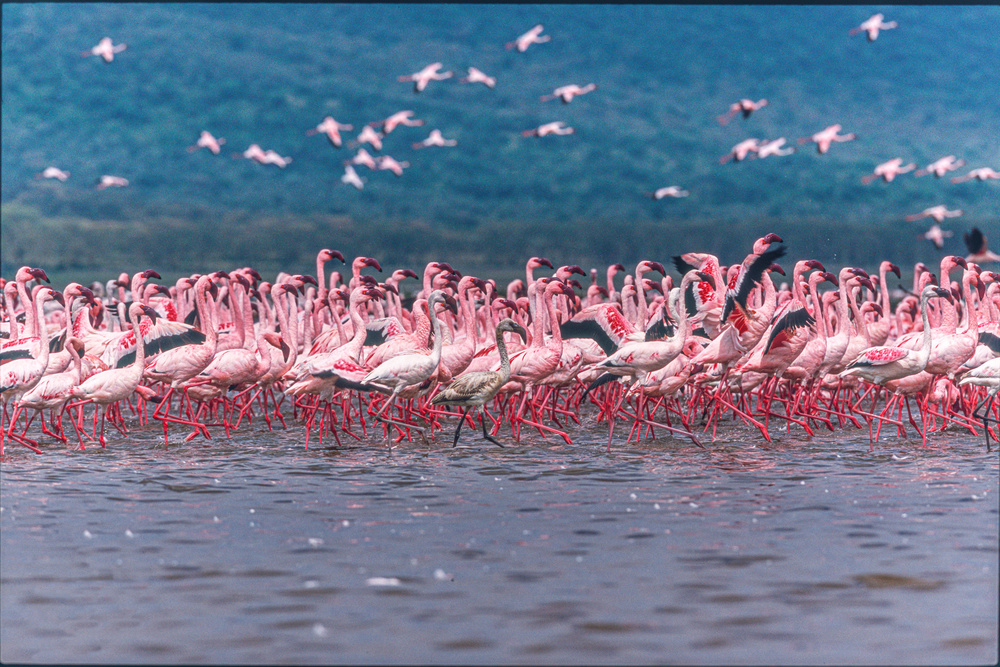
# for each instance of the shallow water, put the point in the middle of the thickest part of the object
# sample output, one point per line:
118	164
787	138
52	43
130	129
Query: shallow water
254	550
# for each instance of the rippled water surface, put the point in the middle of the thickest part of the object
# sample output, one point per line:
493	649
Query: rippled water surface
254	550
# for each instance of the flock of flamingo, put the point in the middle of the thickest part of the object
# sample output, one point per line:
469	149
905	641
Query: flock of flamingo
339	353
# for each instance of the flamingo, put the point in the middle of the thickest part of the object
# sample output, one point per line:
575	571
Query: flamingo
435	139
936	235
872	25
476	76
107	181
363	157
331	128
389	163
888	171
745	106
881	364
397	119
206	140
568	92
253	152
828	135
476	388
740	151
985	375
533	36
941	166
981	174
937	213
350	177
53	172
669	191
407	370
426	75
975	241
272	157
105	49
53	390
773	147
557	127
370	136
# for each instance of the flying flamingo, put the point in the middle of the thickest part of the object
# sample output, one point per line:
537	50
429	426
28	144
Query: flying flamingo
773	147
937	213
435	139
826	136
872	26
389	163
741	150
669	191
368	135
936	235
744	106
363	157
206	140
105	49
107	181
981	174
474	389
975	241
331	129
350	177
426	75
53	172
397	119
887	171
406	370
557	127
533	36
567	93
941	166
272	157
476	76
253	152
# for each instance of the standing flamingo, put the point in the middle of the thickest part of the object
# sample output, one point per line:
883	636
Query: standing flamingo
474	389
985	375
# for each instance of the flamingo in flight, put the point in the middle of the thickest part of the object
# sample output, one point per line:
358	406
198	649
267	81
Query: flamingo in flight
745	106
426	75
370	136
669	191
741	150
981	174
389	163
53	172
206	140
105	49
975	241
941	166
888	171
936	235
773	147
351	177
826	136
937	213
533	36
363	157
435	139
872	26
567	93
477	76
331	128
397	119
556	127
107	181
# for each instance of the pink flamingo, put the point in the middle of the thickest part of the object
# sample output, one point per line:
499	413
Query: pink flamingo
941	166
745	106
53	172
568	92
872	25
206	140
773	147
888	171
975	241
253	152
533	36
936	235
828	135
107	181
350	177
331	128
53	390
981	174
740	151
435	139
389	163
426	75
370	136
937	213
397	119
363	157
557	127
476	76
669	191
272	157
105	49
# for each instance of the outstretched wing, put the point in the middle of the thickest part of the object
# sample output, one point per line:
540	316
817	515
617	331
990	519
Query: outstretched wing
974	241
787	324
748	277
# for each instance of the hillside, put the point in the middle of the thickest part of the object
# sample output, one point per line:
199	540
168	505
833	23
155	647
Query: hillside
266	73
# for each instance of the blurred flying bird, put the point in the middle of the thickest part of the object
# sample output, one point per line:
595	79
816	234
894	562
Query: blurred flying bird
669	191
53	172
887	171
941	166
426	75
981	174
206	140
105	49
825	137
938	213
476	76
557	127
872	26
744	106
106	181
936	235
351	177
331	129
567	93
533	36
435	139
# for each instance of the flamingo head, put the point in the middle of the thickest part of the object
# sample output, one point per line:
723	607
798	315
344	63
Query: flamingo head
831	278
369	261
400	274
814	264
776	268
501	302
651	285
565	272
647	265
538	262
508	324
326	254
387	287
889	266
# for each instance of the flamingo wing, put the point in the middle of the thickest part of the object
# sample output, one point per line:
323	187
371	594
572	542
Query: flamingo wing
879	356
786	325
747	278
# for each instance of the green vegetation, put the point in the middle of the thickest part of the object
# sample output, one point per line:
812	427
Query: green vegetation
266	73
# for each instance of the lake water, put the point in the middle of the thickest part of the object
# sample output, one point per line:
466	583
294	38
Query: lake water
253	550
